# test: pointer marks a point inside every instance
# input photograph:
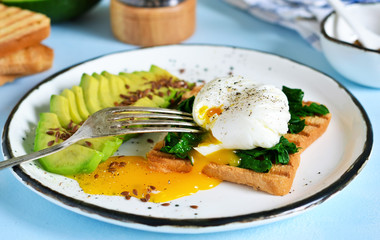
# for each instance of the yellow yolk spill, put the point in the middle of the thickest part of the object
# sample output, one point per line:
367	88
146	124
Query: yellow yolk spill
224	156
132	175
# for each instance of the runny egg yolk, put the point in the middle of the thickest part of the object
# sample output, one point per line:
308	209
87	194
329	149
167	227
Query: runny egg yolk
131	176
206	113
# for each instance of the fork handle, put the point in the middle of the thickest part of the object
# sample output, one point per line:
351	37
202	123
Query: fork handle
35	155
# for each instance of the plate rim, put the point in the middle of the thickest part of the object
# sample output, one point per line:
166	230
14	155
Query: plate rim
149	221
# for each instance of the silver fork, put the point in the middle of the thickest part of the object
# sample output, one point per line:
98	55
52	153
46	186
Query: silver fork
117	121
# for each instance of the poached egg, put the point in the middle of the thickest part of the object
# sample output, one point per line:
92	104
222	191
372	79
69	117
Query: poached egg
240	114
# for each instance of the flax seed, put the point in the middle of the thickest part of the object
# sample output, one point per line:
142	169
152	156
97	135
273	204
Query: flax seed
96	175
113	164
88	144
134	191
147	197
126	86
74	129
122	164
50	133
165	204
152	187
146	91
50	143
125	193
70	124
194	206
128	197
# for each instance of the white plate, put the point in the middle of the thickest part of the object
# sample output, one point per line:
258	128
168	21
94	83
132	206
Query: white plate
326	167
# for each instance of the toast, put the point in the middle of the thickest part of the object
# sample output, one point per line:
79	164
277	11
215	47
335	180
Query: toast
278	181
26	61
21	28
7	78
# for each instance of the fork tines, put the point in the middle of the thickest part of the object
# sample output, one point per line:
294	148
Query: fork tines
146	119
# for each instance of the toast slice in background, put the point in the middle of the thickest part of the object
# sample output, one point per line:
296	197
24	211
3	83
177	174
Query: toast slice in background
278	181
7	78
26	61
21	28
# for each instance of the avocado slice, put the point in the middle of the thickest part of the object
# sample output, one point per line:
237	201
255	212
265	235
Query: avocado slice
105	97
134	82
79	100
90	88
74	113
160	102
60	106
146	76
72	160
145	102
161	73
107	145
116	85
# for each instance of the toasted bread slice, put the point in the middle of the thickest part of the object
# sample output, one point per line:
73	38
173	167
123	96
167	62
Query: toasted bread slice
7	78
21	28
26	61
278	181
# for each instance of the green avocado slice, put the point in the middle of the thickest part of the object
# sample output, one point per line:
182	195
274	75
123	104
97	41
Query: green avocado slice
60	106
90	88
146	76
73	109
105	97
116	85
107	145
72	160
134	82
161	73
79	100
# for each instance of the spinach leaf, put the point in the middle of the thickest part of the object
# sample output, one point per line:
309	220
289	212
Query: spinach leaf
180	144
298	110
187	105
261	159
296	124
